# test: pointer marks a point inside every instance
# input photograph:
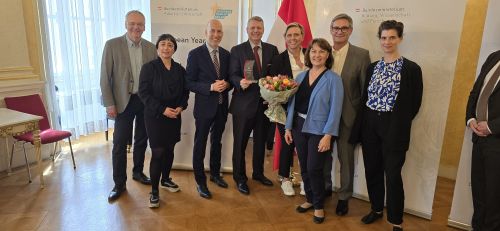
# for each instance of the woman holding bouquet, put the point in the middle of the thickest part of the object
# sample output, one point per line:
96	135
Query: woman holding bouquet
290	63
313	122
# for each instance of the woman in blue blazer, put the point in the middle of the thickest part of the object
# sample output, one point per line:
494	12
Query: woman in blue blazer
313	121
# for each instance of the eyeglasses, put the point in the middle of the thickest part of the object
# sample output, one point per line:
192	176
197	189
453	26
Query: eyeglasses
342	29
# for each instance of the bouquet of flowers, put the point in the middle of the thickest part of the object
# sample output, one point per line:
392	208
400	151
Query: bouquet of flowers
276	91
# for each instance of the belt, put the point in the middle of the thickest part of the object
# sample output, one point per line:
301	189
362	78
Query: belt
303	116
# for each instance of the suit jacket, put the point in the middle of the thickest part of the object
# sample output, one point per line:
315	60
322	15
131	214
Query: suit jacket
200	74
117	80
493	101
353	78
405	108
245	102
325	105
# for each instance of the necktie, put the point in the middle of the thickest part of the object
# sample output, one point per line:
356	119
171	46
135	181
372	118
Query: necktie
482	103
257	60
217	70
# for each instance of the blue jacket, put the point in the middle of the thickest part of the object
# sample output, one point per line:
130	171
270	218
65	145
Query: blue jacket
325	106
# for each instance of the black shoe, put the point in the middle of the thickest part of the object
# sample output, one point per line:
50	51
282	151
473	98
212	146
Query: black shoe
139	176
154	199
169	185
301	209
318	220
243	188
371	217
263	180
342	207
269	146
397	228
116	192
203	191
219	181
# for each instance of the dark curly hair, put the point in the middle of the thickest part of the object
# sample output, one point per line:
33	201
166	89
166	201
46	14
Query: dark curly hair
391	24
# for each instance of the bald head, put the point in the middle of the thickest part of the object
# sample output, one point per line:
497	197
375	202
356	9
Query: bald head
214	33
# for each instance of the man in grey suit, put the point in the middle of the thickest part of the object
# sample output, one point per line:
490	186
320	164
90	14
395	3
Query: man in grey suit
350	62
122	60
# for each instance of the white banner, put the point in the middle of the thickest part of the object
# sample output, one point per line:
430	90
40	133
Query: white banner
461	207
187	20
430	40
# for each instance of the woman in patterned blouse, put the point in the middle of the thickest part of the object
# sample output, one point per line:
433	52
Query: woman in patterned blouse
392	97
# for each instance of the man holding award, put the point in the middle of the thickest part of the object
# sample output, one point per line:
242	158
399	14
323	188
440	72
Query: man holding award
249	62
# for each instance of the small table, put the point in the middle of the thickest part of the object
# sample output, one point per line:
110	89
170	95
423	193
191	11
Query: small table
14	123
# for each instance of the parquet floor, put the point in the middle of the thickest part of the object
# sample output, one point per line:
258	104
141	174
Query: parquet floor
77	200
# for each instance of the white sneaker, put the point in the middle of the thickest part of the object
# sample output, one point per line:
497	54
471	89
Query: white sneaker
302	192
287	187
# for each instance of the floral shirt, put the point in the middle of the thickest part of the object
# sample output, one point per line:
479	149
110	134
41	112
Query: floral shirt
384	85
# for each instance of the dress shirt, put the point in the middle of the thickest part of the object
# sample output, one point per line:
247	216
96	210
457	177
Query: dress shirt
135	52
295	67
339	58
259	51
210	50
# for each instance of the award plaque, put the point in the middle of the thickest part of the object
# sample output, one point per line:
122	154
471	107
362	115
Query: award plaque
248	70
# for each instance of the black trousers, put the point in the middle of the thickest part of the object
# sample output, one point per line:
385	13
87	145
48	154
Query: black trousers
286	153
242	127
162	158
311	163
485	175
379	159
122	132
215	126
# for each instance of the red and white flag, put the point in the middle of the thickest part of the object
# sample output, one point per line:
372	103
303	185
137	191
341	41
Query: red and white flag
290	11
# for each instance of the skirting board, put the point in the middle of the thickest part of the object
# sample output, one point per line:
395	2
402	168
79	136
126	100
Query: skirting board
459	225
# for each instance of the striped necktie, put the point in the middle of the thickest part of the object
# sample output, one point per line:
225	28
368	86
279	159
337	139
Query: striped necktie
217	70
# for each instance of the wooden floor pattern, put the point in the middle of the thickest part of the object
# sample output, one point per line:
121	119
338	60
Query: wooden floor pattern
77	200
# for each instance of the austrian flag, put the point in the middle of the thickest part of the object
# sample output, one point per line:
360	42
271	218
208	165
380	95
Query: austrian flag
290	11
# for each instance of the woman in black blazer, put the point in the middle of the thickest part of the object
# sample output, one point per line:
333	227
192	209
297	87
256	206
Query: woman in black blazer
290	62
163	92
392	98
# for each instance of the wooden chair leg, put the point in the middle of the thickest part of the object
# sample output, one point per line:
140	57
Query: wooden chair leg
27	164
54	153
72	156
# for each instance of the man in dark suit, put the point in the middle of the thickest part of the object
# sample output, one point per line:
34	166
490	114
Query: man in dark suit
247	107
122	60
483	117
350	62
207	76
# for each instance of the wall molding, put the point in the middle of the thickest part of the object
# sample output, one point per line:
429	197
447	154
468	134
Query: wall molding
18	73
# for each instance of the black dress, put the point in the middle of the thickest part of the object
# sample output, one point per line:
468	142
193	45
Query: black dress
160	88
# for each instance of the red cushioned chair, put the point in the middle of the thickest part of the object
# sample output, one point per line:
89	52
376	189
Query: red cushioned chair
32	104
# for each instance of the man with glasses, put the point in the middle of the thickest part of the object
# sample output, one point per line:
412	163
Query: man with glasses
121	64
350	62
